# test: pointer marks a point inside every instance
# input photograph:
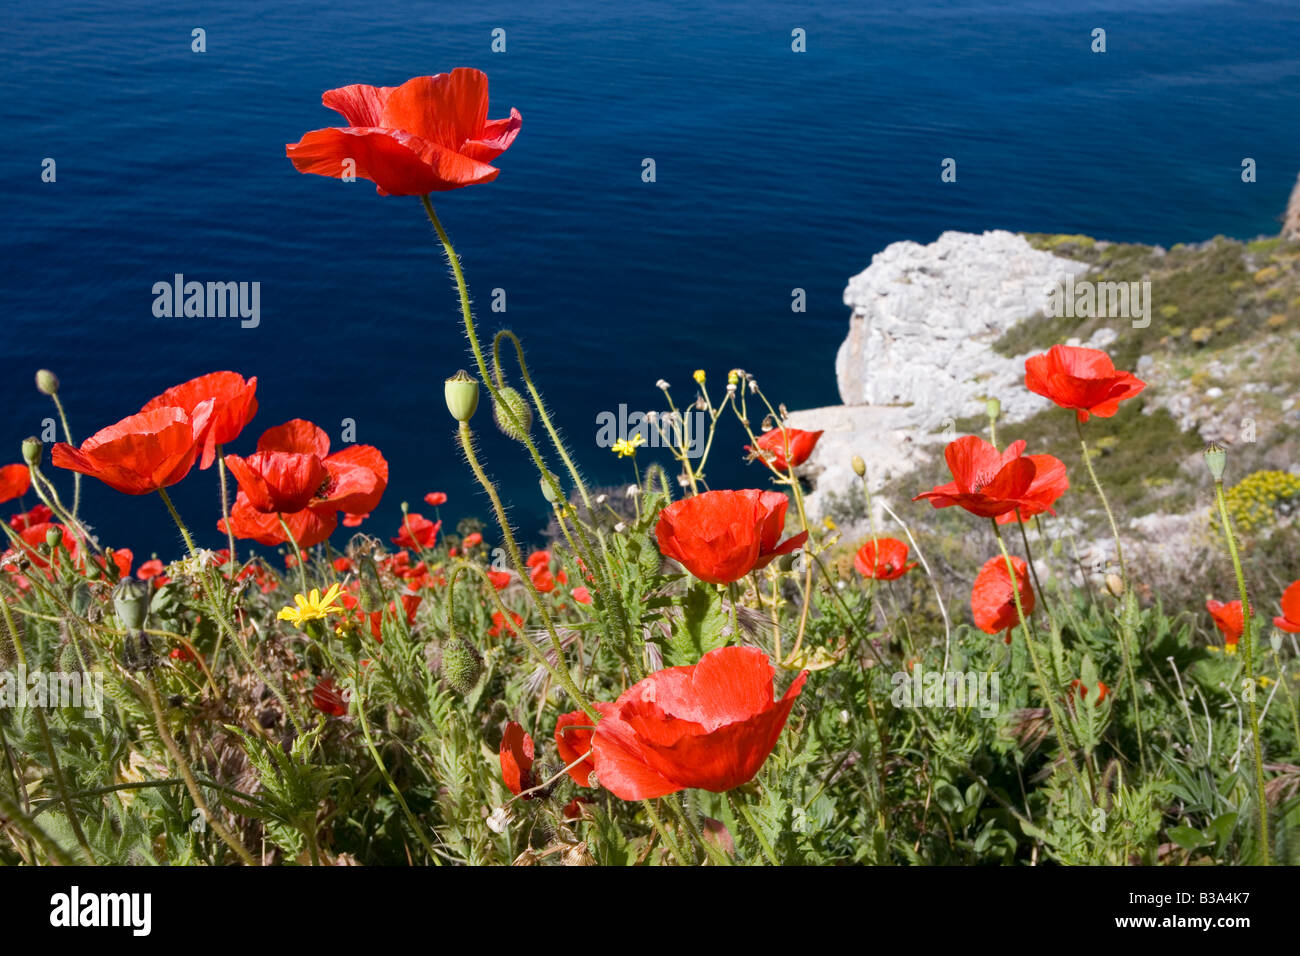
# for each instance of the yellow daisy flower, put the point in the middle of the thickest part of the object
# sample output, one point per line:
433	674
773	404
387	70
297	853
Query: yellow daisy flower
313	607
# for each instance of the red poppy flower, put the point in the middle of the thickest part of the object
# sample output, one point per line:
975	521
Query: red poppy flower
1082	379
141	453
342	565
581	595
720	536
329	699
987	482
39	514
499	624
992	601
1050	482
1290	619
538	559
288	457
1230	620
787	448
14	481
573	739
308	526
543	579
883	558
435	498
234	405
473	540
517	759
428	135
181	653
417	532
708	726
500	579
122	559
150	569
1080	688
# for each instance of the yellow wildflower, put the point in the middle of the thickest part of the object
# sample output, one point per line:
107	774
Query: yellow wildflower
314	607
625	448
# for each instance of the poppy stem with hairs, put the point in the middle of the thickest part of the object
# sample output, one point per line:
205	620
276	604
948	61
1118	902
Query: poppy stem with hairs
561	669
467	319
67	437
1033	568
392	785
1049	692
743	811
1127	636
297	552
1249	630
225	502
210	593
664	835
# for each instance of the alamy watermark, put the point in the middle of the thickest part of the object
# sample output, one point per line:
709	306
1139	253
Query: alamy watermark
1085	299
953	689
653	430
82	690
208	300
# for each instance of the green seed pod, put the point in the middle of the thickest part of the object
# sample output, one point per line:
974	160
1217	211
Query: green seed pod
461	392
461	665
53	537
47	382
131	601
512	408
993	408
32	449
547	492
859	466
1216	459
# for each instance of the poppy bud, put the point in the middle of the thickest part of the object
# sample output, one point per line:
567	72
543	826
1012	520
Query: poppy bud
549	483
47	383
461	392
131	602
1115	584
461	665
32	449
859	466
993	408
513	414
1216	459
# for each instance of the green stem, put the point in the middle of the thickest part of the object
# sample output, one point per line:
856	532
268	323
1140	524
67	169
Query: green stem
664	835
1127	637
297	552
1049	692
566	678
225	502
1249	630
743	809
67	436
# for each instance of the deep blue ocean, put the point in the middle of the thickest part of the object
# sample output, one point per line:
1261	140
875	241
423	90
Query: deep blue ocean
775	170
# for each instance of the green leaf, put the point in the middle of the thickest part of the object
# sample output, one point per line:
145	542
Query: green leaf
699	630
1187	837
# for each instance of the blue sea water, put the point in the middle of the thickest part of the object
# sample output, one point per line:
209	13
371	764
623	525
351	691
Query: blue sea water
775	170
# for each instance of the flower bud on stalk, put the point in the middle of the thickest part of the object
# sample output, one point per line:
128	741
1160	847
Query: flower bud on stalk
461	392
1216	459
47	383
32	450
513	414
131	602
